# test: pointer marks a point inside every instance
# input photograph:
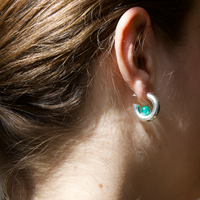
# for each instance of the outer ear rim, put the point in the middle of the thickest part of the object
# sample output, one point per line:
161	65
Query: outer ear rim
127	30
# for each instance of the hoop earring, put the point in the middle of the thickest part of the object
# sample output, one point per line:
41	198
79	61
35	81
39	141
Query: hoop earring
145	114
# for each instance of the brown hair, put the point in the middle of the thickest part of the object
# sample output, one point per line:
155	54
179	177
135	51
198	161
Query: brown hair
46	52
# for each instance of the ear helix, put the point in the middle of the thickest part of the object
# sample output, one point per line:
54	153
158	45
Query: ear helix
145	114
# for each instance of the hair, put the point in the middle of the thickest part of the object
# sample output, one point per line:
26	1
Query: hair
47	48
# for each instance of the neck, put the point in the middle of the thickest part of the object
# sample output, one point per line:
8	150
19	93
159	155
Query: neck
109	165
95	170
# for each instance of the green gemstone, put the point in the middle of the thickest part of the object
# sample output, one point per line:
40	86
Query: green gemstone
145	110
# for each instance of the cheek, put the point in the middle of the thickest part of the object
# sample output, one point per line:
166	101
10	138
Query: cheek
180	112
189	69
184	103
189	84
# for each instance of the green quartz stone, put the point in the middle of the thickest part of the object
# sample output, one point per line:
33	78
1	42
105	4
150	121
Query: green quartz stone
145	110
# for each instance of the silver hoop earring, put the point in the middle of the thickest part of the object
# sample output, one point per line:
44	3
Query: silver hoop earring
145	114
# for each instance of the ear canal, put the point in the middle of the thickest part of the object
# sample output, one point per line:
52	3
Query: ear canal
138	51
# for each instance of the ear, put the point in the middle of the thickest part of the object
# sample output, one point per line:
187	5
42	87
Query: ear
132	56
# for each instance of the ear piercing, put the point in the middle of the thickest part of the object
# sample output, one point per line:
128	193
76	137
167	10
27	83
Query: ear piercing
145	113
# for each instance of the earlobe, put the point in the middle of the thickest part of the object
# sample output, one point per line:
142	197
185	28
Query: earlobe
129	53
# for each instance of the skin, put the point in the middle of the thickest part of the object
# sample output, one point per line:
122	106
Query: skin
123	158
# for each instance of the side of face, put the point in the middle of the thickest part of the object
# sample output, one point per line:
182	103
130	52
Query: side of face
174	137
178	86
